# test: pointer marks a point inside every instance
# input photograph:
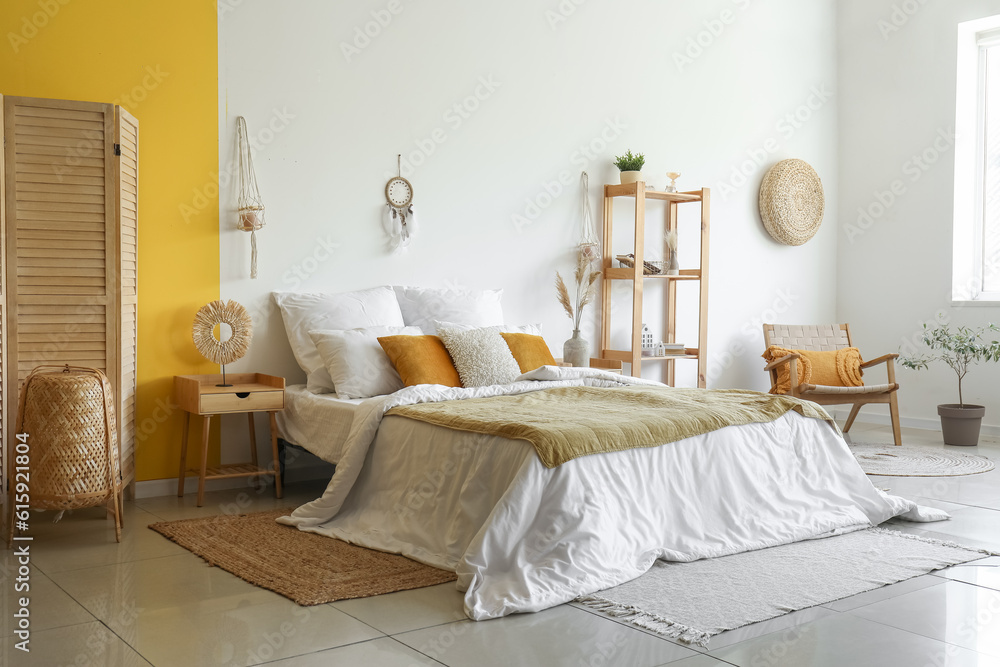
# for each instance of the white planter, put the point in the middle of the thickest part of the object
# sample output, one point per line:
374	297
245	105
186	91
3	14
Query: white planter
630	177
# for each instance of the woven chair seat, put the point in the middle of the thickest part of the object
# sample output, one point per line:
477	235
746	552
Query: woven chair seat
826	338
826	389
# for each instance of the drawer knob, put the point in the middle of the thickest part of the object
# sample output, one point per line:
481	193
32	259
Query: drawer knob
242	394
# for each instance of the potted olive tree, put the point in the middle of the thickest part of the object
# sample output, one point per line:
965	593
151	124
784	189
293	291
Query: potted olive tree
960	349
630	167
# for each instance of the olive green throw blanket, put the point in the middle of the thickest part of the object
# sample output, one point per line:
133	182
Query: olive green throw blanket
568	422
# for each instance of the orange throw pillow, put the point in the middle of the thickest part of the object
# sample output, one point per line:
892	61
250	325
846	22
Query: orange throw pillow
420	360
832	368
530	351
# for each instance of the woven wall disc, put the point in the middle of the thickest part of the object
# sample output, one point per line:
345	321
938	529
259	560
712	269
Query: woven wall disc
791	202
214	314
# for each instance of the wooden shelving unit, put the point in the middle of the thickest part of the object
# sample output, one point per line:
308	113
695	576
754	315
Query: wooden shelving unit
633	356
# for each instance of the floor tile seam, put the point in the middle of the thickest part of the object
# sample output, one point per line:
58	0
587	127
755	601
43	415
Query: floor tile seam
121	562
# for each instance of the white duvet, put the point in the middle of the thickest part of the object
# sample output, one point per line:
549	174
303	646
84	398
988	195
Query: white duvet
523	537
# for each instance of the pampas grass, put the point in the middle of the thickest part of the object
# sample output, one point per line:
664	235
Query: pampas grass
586	289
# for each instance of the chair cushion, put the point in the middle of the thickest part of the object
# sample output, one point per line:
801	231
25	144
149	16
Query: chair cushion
832	368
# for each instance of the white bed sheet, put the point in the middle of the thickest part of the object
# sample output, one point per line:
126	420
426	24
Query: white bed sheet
523	537
319	423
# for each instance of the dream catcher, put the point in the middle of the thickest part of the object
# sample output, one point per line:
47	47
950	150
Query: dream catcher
399	220
248	203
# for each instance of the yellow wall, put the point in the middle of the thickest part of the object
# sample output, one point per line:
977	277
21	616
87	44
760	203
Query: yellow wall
159	60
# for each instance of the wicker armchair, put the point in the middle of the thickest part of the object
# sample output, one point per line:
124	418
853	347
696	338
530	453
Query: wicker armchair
832	337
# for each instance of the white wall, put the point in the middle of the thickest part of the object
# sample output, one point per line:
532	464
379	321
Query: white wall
897	78
608	75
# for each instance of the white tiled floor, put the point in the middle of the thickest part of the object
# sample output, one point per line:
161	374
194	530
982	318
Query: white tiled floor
148	601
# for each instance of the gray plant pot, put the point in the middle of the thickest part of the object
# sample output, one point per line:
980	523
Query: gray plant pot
960	425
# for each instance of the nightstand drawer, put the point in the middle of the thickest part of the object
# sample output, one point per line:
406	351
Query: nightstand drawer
242	401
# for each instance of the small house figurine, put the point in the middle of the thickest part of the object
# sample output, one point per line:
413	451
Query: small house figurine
647	338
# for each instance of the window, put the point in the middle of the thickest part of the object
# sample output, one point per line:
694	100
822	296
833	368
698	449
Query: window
976	254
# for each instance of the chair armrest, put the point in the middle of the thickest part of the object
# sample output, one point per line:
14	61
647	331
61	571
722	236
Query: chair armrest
881	360
784	360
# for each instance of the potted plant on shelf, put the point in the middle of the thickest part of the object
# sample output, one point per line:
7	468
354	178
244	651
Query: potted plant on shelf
960	349
630	167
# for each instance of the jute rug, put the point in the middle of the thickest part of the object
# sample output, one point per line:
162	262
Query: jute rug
306	568
695	601
882	459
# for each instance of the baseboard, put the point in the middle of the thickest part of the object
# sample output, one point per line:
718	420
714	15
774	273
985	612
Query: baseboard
925	423
153	488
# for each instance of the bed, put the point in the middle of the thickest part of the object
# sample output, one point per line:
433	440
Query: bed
525	532
524	537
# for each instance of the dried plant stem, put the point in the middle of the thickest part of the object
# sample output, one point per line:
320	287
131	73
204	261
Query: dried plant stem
586	289
563	295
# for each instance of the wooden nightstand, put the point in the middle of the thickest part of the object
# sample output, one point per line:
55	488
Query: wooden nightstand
249	393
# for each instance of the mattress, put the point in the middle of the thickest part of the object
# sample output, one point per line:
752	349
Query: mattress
319	423
523	537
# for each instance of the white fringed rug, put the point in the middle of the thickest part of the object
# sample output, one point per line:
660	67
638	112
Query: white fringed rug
694	601
882	459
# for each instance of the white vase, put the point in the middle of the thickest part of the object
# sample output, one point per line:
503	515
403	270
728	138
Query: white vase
630	177
576	350
673	268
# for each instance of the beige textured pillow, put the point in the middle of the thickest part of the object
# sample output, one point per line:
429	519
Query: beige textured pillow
481	356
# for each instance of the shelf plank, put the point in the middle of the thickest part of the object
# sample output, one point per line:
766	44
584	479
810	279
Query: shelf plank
228	470
626	356
630	190
629	274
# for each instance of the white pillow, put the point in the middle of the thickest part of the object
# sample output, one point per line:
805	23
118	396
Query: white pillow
533	329
421	306
357	364
481	356
303	312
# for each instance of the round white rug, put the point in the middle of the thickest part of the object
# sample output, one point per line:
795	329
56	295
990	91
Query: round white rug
882	459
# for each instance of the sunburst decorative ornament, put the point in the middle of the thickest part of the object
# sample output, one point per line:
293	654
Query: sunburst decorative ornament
399	220
215	349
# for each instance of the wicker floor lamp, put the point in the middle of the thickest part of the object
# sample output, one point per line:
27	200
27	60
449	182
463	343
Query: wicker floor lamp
68	416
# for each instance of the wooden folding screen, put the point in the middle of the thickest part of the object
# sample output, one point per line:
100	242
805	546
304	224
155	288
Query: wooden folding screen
68	284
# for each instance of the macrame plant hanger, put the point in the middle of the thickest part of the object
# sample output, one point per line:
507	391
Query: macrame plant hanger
589	246
248	202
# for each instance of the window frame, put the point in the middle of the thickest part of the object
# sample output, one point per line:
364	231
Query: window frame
969	266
